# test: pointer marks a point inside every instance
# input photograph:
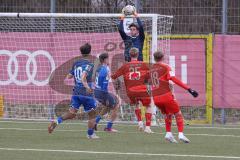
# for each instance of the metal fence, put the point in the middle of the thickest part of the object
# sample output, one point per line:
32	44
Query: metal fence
190	16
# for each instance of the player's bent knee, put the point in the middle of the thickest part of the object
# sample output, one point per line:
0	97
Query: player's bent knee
92	114
179	113
104	110
73	110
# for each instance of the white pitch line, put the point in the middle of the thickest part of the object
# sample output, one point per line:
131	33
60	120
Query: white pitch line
120	153
71	130
119	124
224	128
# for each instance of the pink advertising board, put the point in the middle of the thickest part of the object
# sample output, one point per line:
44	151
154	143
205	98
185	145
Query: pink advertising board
226	69
36	55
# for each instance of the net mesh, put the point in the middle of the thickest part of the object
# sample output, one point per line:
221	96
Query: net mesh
36	54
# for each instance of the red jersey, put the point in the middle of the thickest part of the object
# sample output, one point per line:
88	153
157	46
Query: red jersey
160	77
135	74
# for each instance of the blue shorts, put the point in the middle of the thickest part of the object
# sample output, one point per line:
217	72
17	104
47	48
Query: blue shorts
88	102
105	98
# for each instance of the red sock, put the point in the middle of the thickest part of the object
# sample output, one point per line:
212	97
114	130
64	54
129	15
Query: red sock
148	117
179	121
138	114
168	123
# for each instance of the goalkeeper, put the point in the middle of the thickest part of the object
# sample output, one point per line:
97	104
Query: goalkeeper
135	39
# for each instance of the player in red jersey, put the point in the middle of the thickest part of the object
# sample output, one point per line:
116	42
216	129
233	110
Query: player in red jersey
164	99
135	74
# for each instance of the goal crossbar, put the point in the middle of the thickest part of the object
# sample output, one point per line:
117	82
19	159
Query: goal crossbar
58	15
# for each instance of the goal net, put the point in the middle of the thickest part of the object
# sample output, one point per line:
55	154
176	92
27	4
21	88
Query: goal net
38	50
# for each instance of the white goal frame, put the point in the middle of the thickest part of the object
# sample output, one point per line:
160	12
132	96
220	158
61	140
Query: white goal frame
154	29
58	15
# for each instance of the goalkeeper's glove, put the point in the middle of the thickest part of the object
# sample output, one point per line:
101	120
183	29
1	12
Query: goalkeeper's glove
193	92
135	14
122	17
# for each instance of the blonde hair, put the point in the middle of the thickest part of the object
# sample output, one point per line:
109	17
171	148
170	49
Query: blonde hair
134	52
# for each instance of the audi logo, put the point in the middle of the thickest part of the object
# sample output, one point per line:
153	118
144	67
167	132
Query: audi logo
31	75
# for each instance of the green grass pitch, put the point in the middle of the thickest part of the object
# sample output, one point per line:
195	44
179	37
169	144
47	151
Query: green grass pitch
30	140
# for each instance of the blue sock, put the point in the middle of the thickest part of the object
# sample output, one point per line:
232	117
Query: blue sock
109	124
59	120
98	118
90	131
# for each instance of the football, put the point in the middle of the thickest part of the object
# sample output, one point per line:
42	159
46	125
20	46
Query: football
128	10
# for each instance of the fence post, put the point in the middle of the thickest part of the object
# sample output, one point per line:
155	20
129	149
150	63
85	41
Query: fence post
53	10
224	31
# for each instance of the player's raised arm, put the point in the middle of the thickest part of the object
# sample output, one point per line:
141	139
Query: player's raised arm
140	25
121	29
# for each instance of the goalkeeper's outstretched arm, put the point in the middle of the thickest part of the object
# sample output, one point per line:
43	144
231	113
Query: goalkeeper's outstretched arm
121	29
140	25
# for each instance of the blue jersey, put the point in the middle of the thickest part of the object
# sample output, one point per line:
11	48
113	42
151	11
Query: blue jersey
77	70
102	78
101	89
130	42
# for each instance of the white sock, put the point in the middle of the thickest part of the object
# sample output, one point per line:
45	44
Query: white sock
147	127
180	134
169	134
140	123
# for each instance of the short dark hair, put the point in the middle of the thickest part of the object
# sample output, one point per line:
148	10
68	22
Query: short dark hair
158	56
134	52
102	57
85	49
134	25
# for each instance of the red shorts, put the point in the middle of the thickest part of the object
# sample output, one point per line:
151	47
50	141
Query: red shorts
139	93
166	103
145	101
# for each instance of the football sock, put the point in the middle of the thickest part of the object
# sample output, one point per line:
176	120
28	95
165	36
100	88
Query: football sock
90	131
180	134
179	121
138	114
98	118
168	123
109	124
59	120
148	117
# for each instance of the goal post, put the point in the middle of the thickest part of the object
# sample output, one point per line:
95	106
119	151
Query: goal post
36	46
207	82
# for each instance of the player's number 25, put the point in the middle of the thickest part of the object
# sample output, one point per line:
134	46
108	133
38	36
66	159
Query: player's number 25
134	73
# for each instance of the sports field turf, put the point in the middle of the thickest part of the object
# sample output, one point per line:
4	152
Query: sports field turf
30	141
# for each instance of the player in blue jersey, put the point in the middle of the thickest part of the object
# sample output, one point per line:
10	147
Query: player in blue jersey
135	39
81	71
108	100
